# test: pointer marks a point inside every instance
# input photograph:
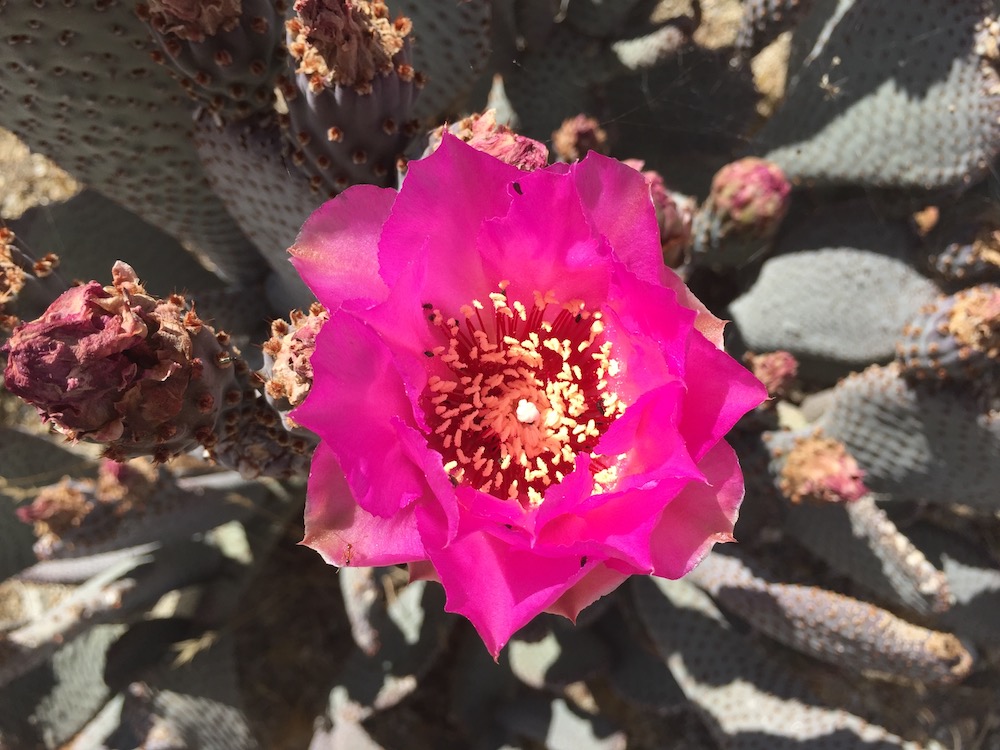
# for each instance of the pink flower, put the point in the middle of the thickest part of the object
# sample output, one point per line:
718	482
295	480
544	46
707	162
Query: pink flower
513	393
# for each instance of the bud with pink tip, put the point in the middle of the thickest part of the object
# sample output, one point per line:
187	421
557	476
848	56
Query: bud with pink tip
745	208
820	470
674	212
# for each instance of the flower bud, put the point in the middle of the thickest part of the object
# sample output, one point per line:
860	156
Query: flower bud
117	366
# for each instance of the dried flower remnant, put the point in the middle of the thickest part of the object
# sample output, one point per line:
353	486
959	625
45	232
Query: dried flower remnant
975	320
61	510
11	278
529	411
117	366
289	350
484	133
193	20
17	271
820	470
577	136
342	43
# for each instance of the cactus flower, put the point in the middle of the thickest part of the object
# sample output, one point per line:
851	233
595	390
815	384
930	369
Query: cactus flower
513	393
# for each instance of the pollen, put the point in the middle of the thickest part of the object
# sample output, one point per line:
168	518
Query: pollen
522	388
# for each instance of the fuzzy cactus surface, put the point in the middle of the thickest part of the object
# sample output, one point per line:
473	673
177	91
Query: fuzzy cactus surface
821	173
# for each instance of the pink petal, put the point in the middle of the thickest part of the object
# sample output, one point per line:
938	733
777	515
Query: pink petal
336	252
647	433
536	253
700	516
345	534
355	396
706	323
443	230
499	589
651	311
720	391
616	200
445	514
600	581
422	570
615	526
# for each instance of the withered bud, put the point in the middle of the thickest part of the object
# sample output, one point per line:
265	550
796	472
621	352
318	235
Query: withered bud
194	20
345	42
484	133
820	470
115	365
578	135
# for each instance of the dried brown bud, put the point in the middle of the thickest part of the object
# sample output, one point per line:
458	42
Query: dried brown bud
194	19
345	42
578	135
483	133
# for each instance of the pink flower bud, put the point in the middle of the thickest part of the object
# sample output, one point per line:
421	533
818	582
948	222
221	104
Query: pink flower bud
821	470
751	193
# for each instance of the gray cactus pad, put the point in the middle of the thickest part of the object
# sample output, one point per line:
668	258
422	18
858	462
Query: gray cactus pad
859	540
764	20
90	232
751	701
50	704
545	83
836	294
843	631
916	443
854	115
90	98
451	45
268	197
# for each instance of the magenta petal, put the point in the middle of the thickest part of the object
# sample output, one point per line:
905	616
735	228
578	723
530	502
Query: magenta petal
575	265
720	391
336	252
422	570
700	516
446	199
618	205
446	516
654	313
615	526
356	383
499	589
345	534
600	581
647	434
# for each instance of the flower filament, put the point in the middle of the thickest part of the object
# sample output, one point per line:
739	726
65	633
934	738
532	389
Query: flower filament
523	391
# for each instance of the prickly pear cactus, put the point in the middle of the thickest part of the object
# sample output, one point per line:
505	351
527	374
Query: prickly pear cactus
152	472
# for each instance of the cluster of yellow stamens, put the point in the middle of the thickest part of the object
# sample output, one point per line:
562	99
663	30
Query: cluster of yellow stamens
523	391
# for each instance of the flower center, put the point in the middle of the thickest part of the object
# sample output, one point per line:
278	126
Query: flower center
525	390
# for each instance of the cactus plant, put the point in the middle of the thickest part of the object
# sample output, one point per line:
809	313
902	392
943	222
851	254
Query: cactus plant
163	602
